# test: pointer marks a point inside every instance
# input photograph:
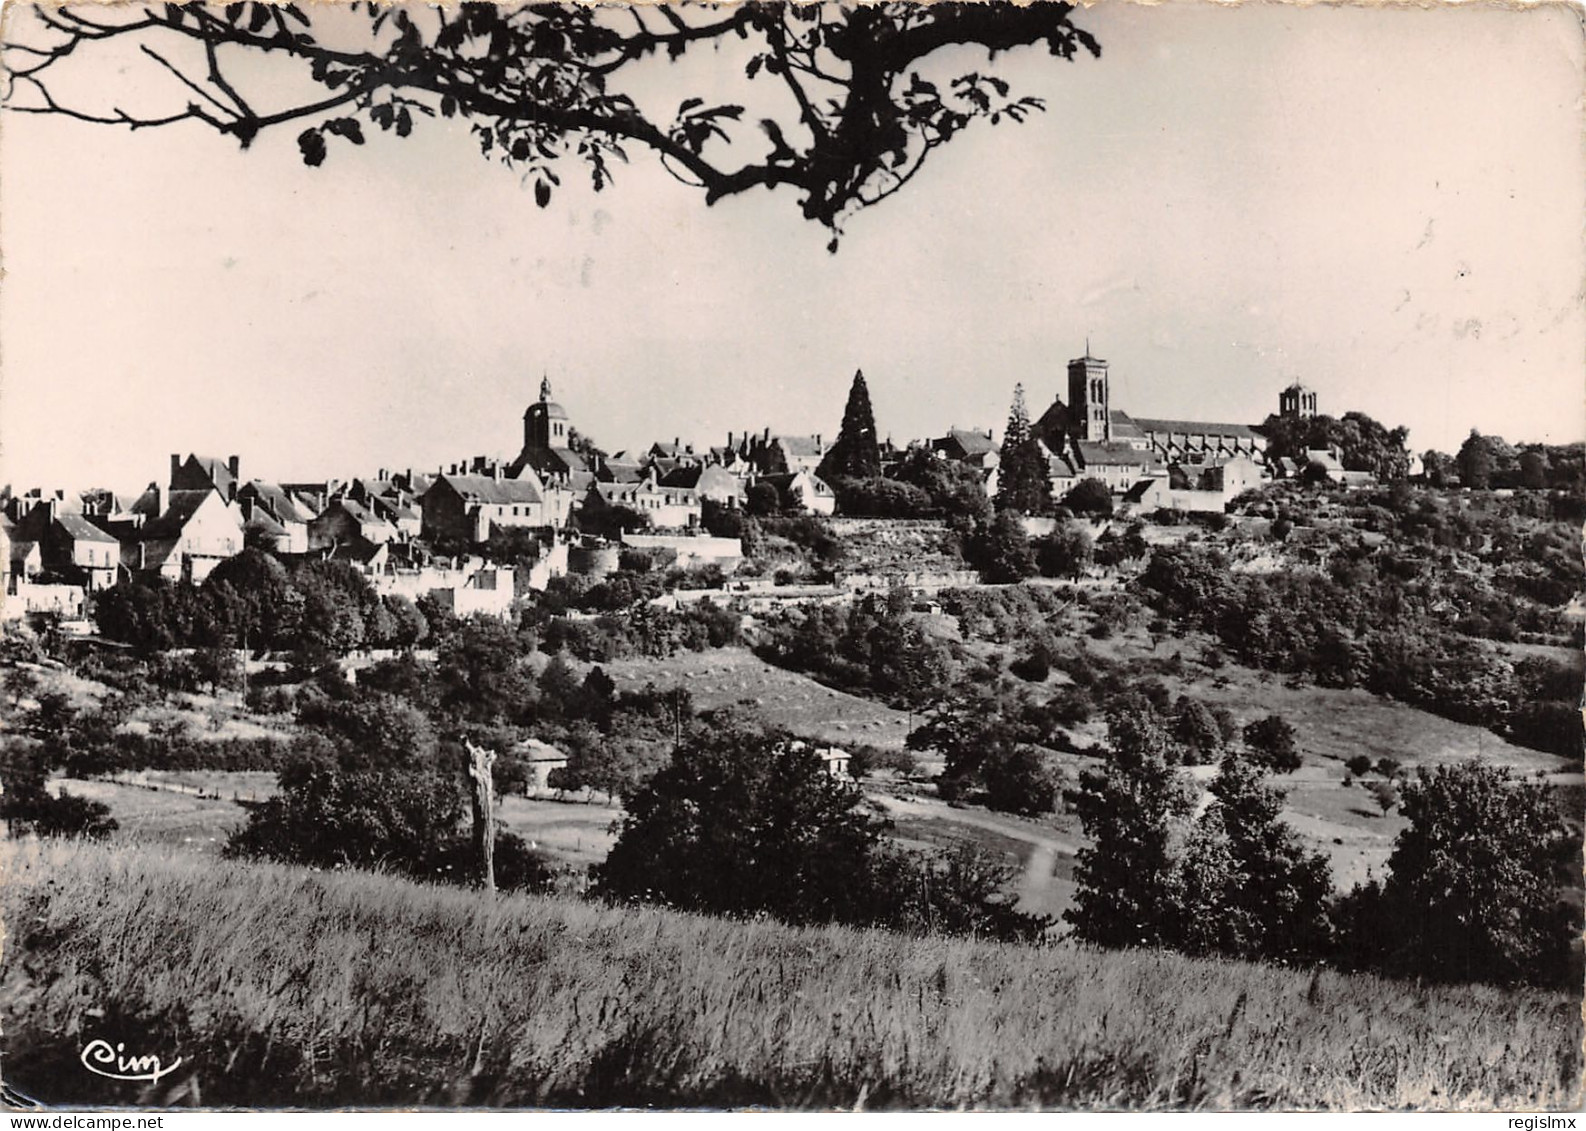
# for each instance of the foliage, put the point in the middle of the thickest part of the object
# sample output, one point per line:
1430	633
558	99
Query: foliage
956	490
854	454
1474	884
1362	443
1127	873
1271	742
1089	496
747	822
1066	552
1022	485
1271	900
1001	550
861	121
875	647
1019	779
878	497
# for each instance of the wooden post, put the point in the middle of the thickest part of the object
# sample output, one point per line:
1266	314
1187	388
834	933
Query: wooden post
480	764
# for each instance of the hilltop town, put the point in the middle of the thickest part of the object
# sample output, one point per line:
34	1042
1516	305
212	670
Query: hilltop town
428	532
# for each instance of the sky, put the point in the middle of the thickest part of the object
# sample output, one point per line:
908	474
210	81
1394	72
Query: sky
1386	204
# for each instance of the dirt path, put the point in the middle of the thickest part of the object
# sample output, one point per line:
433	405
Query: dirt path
1035	884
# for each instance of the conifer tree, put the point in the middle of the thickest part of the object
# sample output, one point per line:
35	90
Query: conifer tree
854	455
1022	484
1130	808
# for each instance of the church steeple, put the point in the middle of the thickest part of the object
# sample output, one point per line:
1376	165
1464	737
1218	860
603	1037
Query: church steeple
545	423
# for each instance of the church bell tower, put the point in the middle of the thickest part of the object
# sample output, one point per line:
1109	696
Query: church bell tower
1089	398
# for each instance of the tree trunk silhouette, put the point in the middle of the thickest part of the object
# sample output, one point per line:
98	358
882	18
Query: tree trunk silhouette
480	764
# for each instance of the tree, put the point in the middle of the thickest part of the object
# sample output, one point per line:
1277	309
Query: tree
1019	779
1273	901
1130	809
1271	743
1066	552
1475	881
540	86
1384	793
1439	468
1089	496
1001	551
744	821
854	454
1476	462
1022	485
1197	731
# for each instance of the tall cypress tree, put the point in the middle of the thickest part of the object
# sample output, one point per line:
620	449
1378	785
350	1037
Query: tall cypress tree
854	455
1022	485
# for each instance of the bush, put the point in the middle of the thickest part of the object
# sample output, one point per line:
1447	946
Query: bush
1360	765
1001	551
1475	883
1089	496
1271	743
1020	780
745	821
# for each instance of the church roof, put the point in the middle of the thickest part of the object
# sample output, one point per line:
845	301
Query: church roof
1196	427
1113	453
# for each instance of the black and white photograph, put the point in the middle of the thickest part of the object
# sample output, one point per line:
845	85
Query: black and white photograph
797	557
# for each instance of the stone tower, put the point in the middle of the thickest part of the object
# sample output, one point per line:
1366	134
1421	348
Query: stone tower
545	422
1297	402
1089	398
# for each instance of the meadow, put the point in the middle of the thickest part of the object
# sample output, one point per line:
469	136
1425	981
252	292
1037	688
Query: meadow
281	986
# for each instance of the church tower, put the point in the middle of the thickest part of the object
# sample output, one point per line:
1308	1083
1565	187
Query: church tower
1297	402
545	422
1089	398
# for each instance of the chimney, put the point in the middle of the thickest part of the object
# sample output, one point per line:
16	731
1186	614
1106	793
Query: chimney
234	465
817	441
231	489
176	467
768	433
729	440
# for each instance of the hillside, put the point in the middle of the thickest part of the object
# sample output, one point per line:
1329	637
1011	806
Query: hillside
281	986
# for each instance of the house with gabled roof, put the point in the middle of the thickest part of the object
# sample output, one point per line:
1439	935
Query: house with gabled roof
346	520
667	507
465	507
274	517
79	552
180	535
203	473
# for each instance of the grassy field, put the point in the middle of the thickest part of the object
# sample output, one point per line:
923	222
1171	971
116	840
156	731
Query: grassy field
726	676
282	986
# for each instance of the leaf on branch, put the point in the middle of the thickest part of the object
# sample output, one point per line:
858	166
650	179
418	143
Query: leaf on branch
404	123
448	106
312	143
542	193
347	128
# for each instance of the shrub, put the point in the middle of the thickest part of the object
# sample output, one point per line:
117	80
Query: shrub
1271	743
1019	779
1475	883
745	821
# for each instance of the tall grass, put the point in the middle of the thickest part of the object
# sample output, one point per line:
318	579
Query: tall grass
281	986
